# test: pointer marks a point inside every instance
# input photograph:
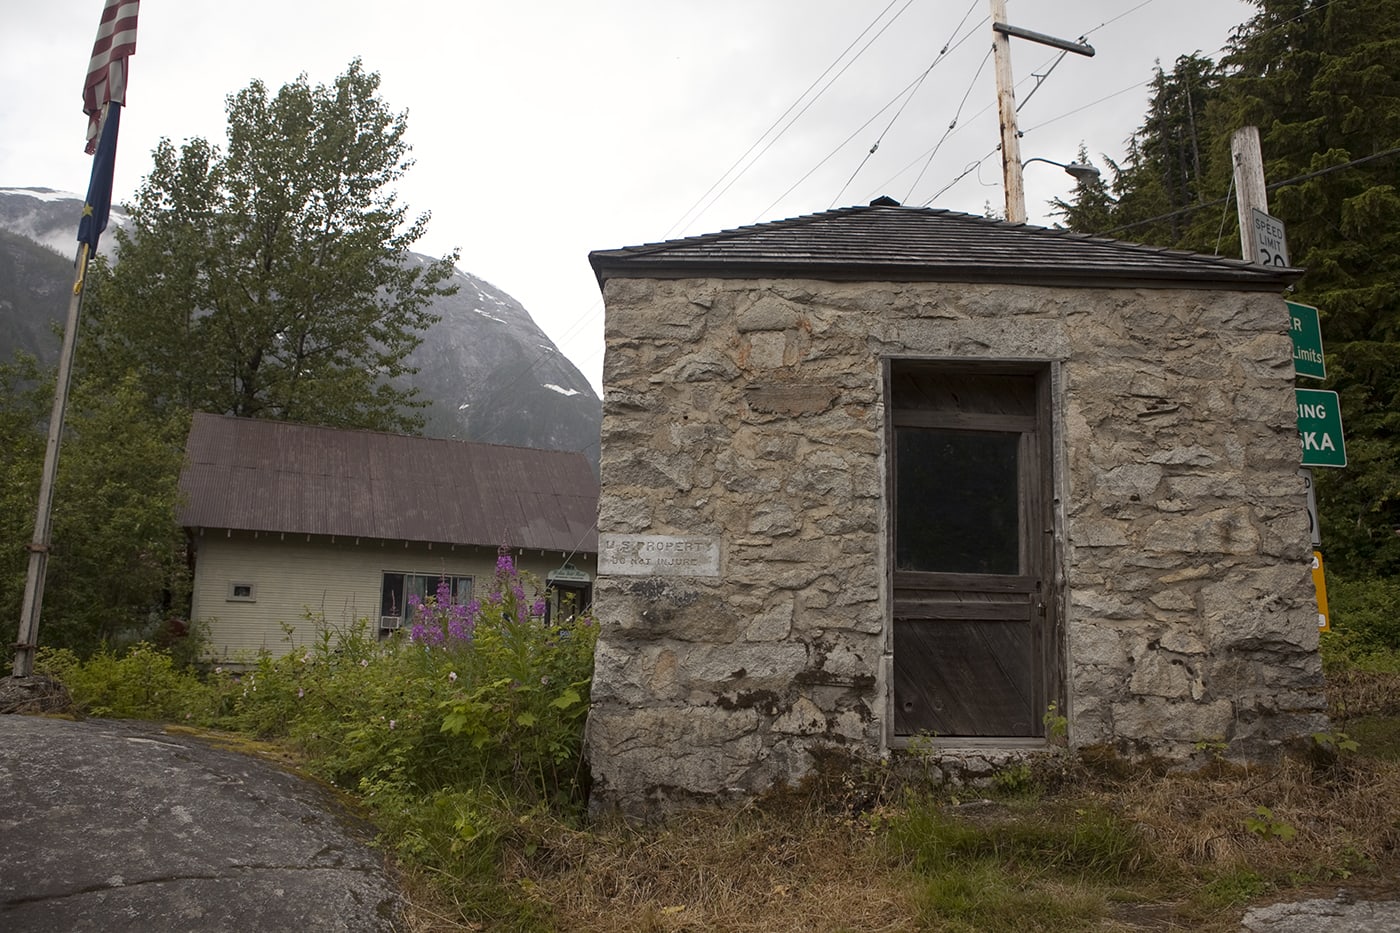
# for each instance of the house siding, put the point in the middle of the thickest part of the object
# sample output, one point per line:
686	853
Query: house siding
300	582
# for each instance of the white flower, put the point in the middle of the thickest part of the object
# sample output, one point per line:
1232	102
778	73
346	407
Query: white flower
452	676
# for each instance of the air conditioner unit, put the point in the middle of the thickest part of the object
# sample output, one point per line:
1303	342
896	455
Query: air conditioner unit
390	621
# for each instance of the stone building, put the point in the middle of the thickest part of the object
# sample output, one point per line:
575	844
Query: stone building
884	473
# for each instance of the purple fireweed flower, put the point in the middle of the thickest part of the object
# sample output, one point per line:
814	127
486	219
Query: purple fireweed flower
444	592
538	608
505	566
414	601
419	632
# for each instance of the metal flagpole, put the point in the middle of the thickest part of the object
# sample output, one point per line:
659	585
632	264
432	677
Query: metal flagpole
104	91
95	209
43	519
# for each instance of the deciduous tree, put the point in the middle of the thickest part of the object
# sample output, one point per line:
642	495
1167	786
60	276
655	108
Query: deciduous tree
272	278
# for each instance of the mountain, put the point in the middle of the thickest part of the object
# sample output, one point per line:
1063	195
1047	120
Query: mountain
35	285
487	370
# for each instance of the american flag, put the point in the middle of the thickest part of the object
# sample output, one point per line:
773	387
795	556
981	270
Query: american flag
106	76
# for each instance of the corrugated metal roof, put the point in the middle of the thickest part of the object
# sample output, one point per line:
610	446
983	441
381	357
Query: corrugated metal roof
252	475
886	242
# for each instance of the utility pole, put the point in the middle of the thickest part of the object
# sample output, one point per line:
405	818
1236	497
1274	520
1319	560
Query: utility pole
1251	194
1006	113
1006	103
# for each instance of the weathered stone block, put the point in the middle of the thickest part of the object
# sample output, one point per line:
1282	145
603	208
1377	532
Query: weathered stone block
769	313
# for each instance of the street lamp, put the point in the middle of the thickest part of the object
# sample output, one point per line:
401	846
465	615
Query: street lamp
1081	171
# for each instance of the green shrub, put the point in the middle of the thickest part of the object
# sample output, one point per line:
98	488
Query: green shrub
144	683
1365	623
480	694
460	736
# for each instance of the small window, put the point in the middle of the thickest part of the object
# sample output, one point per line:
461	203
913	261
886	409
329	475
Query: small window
242	593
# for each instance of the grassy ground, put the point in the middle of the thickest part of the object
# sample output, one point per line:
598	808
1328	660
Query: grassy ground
1089	842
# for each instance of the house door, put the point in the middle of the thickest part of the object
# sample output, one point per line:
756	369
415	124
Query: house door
974	618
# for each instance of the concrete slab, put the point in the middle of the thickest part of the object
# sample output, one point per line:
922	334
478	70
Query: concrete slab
1340	914
114	826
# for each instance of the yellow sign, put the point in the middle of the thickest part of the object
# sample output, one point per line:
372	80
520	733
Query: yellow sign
1324	621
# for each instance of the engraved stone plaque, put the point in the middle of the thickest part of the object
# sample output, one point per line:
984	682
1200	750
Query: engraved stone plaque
658	556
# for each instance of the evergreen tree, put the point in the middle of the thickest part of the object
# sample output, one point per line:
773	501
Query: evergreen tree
1165	169
1322	82
273	279
1321	79
1092	205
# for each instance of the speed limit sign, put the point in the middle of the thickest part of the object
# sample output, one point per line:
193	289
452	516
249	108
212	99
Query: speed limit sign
1270	240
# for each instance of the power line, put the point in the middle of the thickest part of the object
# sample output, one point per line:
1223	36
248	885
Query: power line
1278	184
1092	103
942	53
1050	64
685	217
972	166
949	131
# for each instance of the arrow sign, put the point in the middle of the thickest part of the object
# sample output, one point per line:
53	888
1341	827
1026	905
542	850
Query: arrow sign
1320	428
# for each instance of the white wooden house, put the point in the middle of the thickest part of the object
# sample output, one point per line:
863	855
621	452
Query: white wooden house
291	524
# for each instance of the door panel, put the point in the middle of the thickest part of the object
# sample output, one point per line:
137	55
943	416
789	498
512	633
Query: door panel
959	677
969	551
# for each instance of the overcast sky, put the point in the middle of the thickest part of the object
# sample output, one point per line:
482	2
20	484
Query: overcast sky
543	129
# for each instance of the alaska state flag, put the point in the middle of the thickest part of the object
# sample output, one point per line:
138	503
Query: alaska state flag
99	197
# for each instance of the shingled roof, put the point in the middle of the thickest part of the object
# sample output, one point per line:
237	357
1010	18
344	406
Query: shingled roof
251	475
887	242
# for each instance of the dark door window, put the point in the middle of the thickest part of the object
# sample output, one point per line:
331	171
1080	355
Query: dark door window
970	489
959	501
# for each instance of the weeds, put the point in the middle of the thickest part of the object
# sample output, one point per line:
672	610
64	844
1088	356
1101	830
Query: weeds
464	740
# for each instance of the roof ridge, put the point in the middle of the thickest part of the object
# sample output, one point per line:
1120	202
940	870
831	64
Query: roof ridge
642	249
931	243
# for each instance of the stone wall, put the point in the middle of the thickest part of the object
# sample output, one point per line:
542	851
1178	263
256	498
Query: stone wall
750	412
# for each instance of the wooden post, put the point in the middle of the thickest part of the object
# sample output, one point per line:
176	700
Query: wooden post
1249	186
1006	110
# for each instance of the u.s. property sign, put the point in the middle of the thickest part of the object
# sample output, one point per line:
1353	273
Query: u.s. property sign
658	555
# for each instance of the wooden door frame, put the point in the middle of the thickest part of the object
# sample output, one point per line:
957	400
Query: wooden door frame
1050	646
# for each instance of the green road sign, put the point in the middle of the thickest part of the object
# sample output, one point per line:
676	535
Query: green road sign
1306	332
1320	428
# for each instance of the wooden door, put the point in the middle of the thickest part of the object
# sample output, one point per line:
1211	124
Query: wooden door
972	609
